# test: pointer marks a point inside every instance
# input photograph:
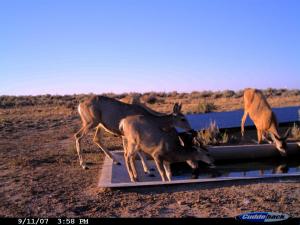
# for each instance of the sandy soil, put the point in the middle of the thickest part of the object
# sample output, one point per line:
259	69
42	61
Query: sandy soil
40	176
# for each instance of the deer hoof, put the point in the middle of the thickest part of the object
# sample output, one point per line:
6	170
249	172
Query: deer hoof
134	180
117	163
151	175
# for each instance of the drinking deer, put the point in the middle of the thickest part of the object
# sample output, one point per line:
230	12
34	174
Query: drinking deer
143	133
102	112
256	105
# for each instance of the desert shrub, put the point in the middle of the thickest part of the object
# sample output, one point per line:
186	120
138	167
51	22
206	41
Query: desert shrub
206	94
195	94
283	90
71	104
151	99
23	101
80	97
172	94
205	107
41	100
216	94
183	95
109	94
202	94
161	94
277	92
210	135
293	92
135	95
295	132
239	94
228	93
7	101
267	92
224	138
272	92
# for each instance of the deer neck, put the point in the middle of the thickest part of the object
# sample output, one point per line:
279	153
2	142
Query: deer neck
166	122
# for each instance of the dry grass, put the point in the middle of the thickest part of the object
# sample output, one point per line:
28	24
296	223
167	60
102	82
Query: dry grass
202	107
210	135
295	132
213	136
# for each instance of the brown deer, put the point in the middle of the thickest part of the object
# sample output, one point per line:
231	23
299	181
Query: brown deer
102	112
143	133
256	105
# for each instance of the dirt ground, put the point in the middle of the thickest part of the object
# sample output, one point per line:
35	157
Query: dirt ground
40	176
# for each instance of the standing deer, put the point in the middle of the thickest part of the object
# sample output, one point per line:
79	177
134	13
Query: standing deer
102	112
143	133
256	105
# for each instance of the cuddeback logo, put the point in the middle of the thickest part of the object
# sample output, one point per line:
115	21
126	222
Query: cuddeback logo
262	217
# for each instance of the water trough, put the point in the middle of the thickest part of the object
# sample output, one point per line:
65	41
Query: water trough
233	163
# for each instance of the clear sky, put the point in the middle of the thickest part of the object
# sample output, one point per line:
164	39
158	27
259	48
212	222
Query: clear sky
83	46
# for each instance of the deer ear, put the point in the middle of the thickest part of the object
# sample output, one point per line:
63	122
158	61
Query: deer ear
181	141
179	107
176	108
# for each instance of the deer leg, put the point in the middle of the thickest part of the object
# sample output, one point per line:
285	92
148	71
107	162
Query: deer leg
168	170
97	141
160	167
195	168
145	164
130	148
78	137
128	166
132	161
124	141
259	136
243	122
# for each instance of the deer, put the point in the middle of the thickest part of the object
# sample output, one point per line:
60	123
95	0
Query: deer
144	133
265	121
104	113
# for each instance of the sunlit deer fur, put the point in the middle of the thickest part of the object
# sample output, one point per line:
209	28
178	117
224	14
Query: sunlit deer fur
256	105
102	112
143	133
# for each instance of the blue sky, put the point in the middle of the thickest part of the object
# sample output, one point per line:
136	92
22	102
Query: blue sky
75	46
